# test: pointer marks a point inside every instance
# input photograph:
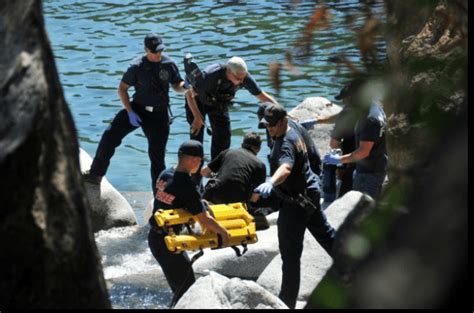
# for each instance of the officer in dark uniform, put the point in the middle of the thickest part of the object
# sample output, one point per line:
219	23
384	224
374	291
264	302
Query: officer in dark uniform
151	76
342	135
313	153
369	155
212	94
293	178
175	189
238	172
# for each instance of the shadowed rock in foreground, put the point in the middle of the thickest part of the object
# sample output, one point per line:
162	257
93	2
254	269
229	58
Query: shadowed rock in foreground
48	254
410	251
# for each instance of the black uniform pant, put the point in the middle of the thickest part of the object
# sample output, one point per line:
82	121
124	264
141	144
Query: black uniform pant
156	128
176	267
220	124
292	223
345	175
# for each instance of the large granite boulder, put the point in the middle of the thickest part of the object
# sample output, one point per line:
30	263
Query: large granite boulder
215	291
108	207
317	106
314	261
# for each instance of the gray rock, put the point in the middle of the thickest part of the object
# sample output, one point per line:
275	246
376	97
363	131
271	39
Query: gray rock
314	261
317	106
215	291
109	207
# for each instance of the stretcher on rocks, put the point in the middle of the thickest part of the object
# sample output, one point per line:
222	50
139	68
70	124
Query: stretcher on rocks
234	217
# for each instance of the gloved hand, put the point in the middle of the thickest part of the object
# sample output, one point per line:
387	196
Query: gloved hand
264	189
309	122
332	158
187	84
134	119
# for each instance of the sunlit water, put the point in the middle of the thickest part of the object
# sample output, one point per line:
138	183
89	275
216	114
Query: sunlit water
93	43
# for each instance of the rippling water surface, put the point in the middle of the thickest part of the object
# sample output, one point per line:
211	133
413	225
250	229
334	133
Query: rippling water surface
94	41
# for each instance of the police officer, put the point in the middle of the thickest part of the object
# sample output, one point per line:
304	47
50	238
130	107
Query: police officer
212	95
313	153
151	76
175	189
369	155
293	178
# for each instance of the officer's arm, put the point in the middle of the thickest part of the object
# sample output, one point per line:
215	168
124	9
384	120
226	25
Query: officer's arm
361	153
265	97
198	118
210	223
124	97
281	174
179	87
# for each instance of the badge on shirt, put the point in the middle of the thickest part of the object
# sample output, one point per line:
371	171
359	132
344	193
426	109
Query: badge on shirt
164	75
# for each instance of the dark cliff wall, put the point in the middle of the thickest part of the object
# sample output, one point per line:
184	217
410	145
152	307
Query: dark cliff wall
48	255
411	249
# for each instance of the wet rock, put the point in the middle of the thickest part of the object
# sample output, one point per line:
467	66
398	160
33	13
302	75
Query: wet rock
108	207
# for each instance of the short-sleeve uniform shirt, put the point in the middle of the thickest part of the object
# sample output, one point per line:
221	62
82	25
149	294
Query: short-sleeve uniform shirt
372	128
151	81
291	149
176	190
214	83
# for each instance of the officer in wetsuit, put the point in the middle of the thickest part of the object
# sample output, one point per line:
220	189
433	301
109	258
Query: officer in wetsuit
175	189
212	95
151	76
293	178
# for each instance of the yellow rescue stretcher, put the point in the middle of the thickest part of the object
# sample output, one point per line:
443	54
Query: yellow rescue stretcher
234	217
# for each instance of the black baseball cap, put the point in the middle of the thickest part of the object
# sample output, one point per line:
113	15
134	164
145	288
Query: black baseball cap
191	148
272	114
260	112
154	42
349	89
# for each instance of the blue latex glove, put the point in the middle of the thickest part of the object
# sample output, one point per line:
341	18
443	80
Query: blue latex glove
332	158
134	119
309	122
186	85
264	189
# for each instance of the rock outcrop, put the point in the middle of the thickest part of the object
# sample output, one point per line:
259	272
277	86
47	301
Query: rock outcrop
410	250
108	207
317	106
48	253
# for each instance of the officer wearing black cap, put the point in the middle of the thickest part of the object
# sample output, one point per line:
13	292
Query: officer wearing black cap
342	137
175	189
292	178
369	152
313	153
150	75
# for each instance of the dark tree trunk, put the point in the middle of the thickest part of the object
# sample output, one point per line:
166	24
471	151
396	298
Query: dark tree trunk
48	254
411	250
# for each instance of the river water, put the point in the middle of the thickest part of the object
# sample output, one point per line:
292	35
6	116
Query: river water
94	41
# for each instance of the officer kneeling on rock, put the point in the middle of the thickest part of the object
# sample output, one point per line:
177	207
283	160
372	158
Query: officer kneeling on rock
175	189
295	183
